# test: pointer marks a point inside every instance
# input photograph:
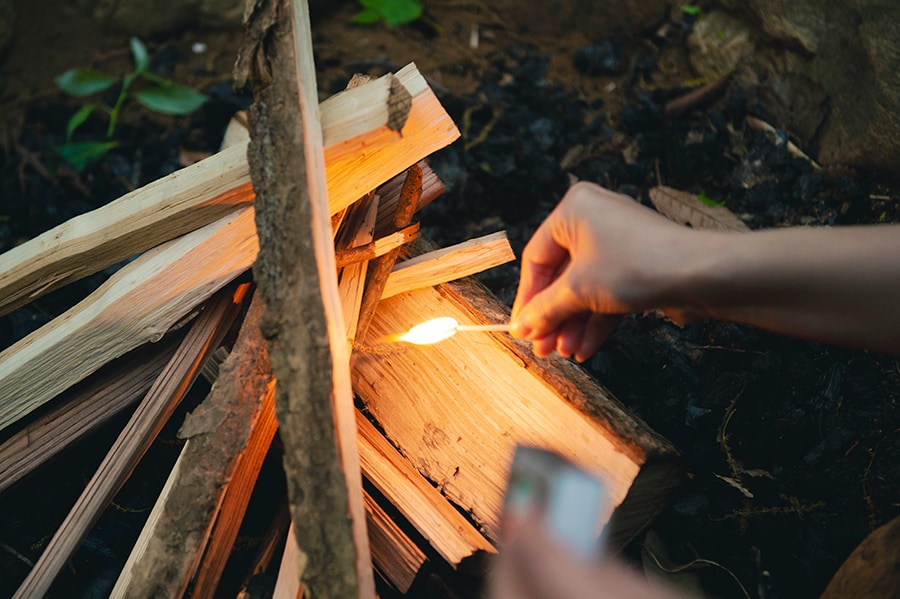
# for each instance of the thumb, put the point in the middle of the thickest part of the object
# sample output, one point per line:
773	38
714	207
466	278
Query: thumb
547	310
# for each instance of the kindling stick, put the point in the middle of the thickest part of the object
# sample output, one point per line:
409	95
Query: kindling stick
381	267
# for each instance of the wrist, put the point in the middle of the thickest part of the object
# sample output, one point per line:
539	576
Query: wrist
690	269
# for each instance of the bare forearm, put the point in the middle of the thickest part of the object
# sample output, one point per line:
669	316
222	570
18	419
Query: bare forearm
838	285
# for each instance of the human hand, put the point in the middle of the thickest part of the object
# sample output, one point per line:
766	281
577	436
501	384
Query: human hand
598	256
534	565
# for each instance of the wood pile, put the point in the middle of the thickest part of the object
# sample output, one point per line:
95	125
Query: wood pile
422	464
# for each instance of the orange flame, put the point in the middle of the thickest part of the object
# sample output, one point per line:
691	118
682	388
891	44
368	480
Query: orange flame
431	331
438	329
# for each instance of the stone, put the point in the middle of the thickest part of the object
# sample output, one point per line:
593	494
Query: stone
797	23
851	50
718	42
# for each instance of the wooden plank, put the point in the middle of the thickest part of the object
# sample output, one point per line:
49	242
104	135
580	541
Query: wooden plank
425	129
451	535
173	383
124	313
306	335
487	393
448	264
165	209
138	304
355	125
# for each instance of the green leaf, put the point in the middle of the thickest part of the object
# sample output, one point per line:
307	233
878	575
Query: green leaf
83	82
690	9
78	118
367	17
141	58
79	154
170	99
394	12
708	201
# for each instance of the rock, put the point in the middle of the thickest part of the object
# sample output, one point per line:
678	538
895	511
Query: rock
873	569
604	58
793	101
7	24
798	23
860	69
717	43
851	50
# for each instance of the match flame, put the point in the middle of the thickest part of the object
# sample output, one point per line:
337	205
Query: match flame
431	331
438	329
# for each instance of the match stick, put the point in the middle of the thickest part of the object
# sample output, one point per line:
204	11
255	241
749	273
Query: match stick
483	327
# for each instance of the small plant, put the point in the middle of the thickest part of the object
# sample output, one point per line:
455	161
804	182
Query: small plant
392	12
161	95
690	9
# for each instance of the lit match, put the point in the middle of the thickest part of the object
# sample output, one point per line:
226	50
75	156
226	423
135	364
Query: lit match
439	329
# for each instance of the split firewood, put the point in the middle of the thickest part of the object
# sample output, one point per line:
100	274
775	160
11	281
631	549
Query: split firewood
182	202
139	433
432	188
297	279
129	309
487	393
381	267
355	125
287	585
451	535
371	108
395	555
204	499
137	304
80	412
353	278
448	264
686	209
379	247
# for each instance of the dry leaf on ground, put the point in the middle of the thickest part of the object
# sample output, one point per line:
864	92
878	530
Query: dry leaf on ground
686	209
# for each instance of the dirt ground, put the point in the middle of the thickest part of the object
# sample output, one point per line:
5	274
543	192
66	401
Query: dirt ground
790	447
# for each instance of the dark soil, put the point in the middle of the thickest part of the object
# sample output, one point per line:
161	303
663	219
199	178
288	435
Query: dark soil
790	447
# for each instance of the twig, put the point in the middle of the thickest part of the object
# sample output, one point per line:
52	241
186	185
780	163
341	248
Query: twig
381	267
377	248
693	563
697	97
781	138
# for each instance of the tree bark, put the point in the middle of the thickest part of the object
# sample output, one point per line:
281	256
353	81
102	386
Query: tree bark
308	359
